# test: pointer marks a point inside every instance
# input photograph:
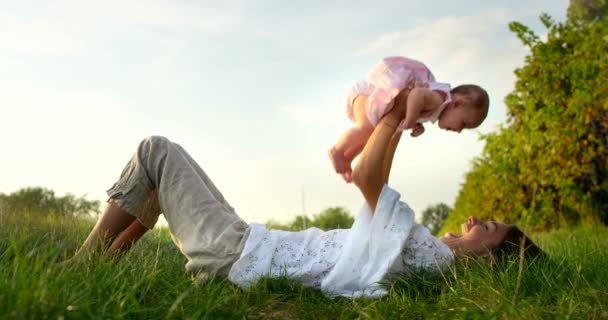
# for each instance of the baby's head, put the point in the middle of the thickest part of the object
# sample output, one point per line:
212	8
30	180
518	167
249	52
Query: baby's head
468	109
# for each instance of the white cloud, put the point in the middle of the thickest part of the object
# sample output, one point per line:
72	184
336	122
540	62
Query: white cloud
37	36
199	16
303	113
310	114
70	26
437	40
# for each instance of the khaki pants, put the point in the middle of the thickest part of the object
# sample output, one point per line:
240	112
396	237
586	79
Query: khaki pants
162	177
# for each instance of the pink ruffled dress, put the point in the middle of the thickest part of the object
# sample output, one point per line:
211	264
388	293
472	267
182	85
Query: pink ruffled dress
384	82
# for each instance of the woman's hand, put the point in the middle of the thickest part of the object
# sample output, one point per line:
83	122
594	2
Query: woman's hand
399	109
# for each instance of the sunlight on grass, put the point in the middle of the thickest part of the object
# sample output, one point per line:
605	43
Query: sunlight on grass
150	283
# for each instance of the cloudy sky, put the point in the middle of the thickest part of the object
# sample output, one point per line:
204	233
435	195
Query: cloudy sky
254	90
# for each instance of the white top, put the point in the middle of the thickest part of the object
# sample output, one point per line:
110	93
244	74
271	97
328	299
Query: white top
346	262
384	82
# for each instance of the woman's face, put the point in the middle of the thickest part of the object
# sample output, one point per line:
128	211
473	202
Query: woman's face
477	238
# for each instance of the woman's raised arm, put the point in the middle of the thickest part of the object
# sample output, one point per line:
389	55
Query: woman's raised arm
373	168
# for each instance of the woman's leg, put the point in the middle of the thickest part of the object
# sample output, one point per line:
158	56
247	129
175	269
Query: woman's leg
127	238
148	214
112	222
202	223
204	226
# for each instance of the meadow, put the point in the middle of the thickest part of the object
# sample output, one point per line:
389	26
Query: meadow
150	283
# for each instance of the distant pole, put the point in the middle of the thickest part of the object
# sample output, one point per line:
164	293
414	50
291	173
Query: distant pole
303	209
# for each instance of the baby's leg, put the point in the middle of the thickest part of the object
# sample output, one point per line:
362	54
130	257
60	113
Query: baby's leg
352	141
339	154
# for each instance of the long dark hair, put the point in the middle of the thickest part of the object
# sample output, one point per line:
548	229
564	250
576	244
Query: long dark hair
512	245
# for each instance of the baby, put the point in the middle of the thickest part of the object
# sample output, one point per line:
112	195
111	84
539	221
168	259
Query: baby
465	106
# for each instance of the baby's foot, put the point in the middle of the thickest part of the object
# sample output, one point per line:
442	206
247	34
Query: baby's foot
347	176
338	160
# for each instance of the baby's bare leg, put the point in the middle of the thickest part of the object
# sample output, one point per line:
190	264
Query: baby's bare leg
352	141
341	154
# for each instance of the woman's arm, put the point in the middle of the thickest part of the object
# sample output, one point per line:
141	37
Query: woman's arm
388	158
373	167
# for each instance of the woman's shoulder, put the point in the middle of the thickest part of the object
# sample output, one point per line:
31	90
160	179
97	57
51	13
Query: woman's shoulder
422	249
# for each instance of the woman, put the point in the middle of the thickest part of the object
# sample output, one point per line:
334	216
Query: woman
162	177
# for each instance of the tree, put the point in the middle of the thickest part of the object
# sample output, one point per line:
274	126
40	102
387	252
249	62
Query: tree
328	219
547	166
333	218
299	224
273	224
433	216
587	10
43	201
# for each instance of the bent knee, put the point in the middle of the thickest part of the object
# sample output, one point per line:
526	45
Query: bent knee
154	145
156	141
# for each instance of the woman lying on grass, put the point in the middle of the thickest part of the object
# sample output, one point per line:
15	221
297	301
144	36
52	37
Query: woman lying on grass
162	177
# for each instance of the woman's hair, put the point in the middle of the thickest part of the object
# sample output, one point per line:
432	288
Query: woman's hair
512	245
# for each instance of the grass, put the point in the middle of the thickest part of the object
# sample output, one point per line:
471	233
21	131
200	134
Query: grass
150	283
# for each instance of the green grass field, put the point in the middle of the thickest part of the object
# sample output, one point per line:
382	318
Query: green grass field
150	283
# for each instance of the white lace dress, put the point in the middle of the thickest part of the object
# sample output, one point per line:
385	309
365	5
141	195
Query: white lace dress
346	262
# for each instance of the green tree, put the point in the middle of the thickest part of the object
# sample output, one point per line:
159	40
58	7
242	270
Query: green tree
587	10
333	218
43	201
273	224
547	166
433	216
328	219
300	222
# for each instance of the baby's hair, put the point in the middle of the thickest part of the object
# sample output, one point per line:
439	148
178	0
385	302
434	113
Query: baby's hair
475	94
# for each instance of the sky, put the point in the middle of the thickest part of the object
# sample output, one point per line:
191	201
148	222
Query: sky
254	90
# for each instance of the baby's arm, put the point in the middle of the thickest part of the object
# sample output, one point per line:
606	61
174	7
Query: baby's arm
417	130
420	102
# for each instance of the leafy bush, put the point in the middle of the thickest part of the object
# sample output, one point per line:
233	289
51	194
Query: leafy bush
328	219
43	201
547	166
434	216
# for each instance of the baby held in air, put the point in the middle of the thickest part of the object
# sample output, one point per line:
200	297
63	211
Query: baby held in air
463	107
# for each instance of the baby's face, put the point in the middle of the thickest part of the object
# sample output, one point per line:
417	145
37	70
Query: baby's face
458	116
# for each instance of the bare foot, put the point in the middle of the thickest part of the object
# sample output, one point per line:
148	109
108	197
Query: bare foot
338	160
341	164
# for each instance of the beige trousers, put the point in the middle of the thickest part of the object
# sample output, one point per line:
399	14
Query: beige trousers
162	177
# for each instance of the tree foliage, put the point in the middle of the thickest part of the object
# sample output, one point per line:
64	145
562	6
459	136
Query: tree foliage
434	216
587	10
43	201
328	219
547	165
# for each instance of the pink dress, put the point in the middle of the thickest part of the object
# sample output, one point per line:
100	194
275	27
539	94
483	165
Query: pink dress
384	82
